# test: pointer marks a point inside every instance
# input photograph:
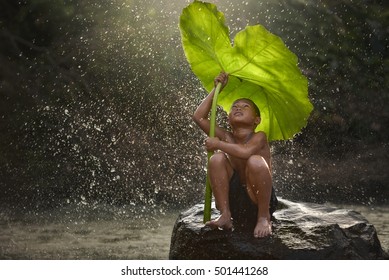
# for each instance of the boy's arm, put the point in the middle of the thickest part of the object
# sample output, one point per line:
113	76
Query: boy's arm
256	145
200	116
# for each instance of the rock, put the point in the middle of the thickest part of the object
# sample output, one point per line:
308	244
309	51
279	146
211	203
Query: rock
300	231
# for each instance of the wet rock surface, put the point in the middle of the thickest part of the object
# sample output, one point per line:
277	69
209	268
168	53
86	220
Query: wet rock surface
300	231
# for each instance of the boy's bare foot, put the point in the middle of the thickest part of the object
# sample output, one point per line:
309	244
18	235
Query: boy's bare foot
223	222
263	228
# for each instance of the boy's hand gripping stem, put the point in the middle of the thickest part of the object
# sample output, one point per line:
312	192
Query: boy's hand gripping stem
208	189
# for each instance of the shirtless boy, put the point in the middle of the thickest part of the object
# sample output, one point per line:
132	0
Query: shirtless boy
243	156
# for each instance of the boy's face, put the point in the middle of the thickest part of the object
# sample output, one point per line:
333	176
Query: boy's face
242	111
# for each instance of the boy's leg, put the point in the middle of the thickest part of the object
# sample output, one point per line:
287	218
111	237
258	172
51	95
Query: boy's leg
259	187
220	172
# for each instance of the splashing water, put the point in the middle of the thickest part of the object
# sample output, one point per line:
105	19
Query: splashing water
96	111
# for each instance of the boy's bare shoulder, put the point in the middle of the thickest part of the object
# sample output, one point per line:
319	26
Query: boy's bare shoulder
260	139
261	134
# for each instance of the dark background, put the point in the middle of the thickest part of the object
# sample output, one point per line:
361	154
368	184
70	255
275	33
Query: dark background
97	96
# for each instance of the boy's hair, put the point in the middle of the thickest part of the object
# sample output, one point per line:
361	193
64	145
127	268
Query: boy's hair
256	109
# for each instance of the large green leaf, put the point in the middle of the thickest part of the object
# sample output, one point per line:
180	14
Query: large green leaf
260	66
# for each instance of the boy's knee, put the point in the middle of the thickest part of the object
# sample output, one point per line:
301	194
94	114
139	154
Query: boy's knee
218	159
256	162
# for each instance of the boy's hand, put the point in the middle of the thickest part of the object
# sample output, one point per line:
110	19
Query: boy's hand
211	143
222	78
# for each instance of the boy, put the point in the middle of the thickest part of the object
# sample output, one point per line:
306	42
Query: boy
240	173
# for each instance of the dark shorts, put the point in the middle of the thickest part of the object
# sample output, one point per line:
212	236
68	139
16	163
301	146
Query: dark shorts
243	210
